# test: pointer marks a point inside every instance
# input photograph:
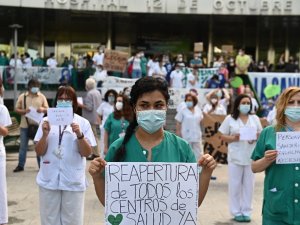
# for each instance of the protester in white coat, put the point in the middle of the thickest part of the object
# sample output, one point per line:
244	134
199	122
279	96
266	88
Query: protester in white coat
4	122
61	178
241	178
188	124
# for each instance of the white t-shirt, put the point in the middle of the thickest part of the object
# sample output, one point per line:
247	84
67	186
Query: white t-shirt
52	63
136	63
98	58
239	152
160	71
190	124
255	105
191	77
12	63
176	77
104	110
27	63
219	110
4	122
151	66
67	173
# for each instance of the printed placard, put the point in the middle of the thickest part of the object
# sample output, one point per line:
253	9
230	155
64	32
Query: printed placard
60	116
151	193
288	146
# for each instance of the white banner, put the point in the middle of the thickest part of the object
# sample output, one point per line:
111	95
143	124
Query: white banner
151	193
45	75
284	80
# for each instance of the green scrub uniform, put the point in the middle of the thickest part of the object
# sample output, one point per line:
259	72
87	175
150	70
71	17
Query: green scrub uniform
115	128
171	149
281	204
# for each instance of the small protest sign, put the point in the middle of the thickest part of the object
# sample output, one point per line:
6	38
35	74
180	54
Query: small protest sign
115	60
60	116
151	193
288	146
213	144
248	133
198	47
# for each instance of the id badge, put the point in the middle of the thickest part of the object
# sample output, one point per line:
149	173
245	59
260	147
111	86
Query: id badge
57	153
122	134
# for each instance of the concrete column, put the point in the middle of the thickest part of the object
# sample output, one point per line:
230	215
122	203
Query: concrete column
257	39
109	31
25	45
286	50
42	40
271	50
210	50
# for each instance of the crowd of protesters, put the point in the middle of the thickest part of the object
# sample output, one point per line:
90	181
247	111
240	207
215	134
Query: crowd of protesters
120	115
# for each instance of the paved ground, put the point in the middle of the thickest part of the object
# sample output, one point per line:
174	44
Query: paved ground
24	208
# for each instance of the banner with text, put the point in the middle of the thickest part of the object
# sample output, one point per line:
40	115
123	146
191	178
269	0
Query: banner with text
151	193
284	80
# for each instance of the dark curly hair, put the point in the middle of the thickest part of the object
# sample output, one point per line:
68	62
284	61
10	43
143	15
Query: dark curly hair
141	86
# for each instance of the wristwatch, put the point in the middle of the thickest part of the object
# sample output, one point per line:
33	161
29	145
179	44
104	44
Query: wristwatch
80	137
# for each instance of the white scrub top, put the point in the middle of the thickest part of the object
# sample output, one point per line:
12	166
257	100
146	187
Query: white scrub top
219	110
239	152
104	110
176	77
4	122
190	124
68	172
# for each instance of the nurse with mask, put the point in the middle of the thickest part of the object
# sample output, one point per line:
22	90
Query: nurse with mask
145	139
188	124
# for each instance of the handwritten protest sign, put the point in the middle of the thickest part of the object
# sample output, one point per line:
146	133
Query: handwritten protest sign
151	193
212	138
115	60
288	146
60	116
34	115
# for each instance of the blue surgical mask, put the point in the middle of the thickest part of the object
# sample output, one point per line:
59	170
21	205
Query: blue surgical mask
189	104
151	120
34	90
244	109
292	113
63	104
219	94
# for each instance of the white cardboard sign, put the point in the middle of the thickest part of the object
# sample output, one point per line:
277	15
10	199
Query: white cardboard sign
60	116
151	193
288	146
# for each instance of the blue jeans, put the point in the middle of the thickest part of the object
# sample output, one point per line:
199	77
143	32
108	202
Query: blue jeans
24	148
136	74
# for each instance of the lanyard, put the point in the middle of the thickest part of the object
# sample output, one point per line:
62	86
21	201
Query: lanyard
61	135
123	123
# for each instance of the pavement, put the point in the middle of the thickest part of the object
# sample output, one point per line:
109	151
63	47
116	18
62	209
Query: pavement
24	205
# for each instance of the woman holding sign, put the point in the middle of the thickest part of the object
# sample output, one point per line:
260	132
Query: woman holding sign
240	131
146	140
282	181
63	150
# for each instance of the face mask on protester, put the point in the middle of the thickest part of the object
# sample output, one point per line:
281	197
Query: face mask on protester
151	120
292	113
244	109
119	105
34	90
63	104
111	99
189	104
219	94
